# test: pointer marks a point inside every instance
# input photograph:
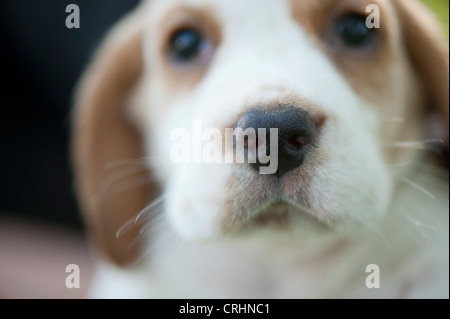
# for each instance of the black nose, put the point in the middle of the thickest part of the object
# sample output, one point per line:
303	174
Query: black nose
296	133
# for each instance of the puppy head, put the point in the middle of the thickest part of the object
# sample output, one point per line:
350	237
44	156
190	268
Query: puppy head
343	98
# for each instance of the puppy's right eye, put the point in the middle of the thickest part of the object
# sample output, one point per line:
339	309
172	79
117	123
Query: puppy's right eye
186	45
353	32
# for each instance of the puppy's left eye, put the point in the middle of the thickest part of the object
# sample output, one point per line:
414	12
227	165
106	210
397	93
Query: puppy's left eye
186	45
353	32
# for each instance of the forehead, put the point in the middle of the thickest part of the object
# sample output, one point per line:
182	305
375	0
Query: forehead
277	28
306	12
226	8
278	23
234	18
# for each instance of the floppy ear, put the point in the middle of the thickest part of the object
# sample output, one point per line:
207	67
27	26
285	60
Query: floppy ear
428	51
102	136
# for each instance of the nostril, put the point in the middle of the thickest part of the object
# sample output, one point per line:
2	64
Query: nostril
297	142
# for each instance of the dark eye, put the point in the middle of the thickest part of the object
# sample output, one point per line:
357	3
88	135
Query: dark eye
186	45
353	32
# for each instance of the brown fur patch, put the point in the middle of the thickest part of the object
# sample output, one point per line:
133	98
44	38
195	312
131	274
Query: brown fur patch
429	54
365	71
102	135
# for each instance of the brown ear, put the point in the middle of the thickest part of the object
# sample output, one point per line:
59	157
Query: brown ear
103	136
428	50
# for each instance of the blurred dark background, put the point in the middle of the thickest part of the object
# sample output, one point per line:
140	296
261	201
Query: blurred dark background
41	62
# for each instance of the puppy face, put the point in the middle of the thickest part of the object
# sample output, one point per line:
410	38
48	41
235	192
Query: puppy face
271	54
363	90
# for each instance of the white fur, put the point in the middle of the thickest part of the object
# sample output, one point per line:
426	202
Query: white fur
376	219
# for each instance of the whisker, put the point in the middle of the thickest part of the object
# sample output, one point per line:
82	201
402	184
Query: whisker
428	169
419	227
121	175
127	226
400	164
148	208
154	223
159	223
417	187
137	182
432	170
370	196
375	229
136	241
410	233
428	145
420	224
418	210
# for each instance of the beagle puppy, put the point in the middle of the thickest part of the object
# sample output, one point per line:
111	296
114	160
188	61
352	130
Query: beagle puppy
356	206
